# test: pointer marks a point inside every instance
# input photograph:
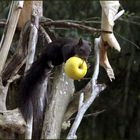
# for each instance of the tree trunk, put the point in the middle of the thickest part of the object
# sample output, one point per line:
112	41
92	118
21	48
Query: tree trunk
62	91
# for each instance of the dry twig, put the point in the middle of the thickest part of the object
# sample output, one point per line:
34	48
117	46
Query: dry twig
64	24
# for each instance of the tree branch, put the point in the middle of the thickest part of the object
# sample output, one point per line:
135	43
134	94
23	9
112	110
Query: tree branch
6	23
59	23
96	89
53	119
18	59
10	33
91	114
36	14
73	105
48	39
2	22
30	59
32	41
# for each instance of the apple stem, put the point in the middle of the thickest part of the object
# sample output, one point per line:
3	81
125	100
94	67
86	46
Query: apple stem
81	65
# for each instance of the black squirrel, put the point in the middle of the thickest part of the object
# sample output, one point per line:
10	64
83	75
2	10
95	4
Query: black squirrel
54	54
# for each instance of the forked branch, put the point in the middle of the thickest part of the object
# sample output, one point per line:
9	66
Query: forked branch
96	89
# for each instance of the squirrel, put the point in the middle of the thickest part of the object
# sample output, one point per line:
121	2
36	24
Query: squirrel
54	54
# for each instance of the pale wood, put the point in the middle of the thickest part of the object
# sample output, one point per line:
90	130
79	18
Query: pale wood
36	13
16	62
32	42
29	129
3	93
6	22
46	36
11	27
12	120
73	105
96	89
62	92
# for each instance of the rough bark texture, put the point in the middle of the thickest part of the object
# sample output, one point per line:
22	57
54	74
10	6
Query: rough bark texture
12	120
30	8
36	13
24	17
62	90
73	105
11	27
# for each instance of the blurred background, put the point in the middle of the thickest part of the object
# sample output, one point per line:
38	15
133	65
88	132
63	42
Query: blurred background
120	101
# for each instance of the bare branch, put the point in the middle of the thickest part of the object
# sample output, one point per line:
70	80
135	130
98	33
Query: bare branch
129	21
73	105
9	34
32	41
18	59
89	115
15	77
36	13
127	40
6	22
96	89
97	60
83	21
2	22
64	24
12	119
30	59
81	100
45	34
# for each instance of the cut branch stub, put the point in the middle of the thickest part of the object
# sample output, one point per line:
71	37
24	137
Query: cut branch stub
12	120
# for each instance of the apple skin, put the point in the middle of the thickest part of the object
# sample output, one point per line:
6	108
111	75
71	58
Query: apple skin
75	68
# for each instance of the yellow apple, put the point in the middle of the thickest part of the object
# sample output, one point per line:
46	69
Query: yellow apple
75	68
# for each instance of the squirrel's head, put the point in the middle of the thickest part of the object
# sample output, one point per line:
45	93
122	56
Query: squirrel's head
83	49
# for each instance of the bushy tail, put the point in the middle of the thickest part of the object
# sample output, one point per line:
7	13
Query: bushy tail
31	100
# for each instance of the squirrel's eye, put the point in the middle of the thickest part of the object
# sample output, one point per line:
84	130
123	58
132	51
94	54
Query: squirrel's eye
81	49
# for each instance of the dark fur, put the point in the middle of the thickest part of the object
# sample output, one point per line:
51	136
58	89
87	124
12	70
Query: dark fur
55	53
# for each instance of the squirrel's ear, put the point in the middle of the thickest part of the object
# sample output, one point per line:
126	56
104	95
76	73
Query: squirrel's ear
80	42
